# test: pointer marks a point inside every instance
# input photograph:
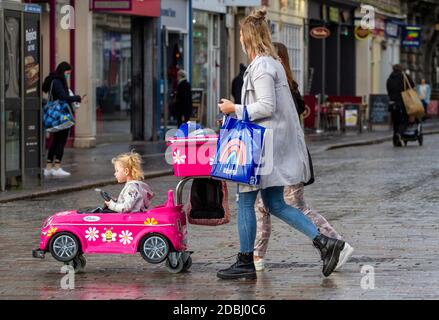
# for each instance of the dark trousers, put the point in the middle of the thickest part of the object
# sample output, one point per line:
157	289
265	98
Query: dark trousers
56	150
399	118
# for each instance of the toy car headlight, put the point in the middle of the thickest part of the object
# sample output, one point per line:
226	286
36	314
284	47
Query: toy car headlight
47	222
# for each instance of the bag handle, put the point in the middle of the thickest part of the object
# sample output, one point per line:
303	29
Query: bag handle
406	80
50	91
245	116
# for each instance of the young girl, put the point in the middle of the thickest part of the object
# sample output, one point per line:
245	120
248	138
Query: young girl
136	195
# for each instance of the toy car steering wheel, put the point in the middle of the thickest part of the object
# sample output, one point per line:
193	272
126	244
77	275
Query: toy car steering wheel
104	195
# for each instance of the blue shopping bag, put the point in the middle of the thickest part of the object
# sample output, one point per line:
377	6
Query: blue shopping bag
239	151
57	116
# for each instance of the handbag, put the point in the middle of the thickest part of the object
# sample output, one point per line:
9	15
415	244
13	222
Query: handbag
57	115
412	103
208	203
239	151
311	168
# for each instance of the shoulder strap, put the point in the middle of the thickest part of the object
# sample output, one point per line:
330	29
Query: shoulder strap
406	81
50	91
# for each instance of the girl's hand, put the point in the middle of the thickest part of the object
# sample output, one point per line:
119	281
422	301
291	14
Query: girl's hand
107	203
227	106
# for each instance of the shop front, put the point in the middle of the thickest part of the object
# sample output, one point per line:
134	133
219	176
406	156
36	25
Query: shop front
175	24
331	51
209	57
111	47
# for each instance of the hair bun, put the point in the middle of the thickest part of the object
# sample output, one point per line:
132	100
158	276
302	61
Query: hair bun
259	13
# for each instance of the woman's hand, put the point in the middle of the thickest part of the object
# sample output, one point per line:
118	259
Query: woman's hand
227	106
107	204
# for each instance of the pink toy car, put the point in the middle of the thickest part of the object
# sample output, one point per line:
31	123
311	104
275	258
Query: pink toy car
158	234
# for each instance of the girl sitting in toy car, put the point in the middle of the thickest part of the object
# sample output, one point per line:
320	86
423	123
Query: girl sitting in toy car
136	196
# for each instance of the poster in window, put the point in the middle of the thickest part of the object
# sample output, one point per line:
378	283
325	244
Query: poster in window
31	57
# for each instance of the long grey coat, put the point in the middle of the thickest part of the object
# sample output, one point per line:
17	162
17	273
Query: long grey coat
269	103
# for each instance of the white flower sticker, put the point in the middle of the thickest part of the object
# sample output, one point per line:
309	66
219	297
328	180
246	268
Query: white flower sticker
179	158
211	161
92	234
126	237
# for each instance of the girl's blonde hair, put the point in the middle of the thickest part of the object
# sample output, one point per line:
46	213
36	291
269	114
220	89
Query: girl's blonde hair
256	34
131	161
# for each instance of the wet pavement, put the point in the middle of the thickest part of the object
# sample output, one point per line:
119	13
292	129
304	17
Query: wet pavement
383	200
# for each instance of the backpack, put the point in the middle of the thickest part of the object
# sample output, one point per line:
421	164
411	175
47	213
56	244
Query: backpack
208	202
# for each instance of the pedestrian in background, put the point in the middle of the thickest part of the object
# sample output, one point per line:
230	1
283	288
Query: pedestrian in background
56	86
294	195
237	84
269	104
424	92
183	101
395	85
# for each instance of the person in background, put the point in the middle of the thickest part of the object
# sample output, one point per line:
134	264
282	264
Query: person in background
424	92
56	86
395	85
237	84
183	101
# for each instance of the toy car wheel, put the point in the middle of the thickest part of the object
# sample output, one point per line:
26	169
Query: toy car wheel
175	269
82	261
187	264
154	248
64	247
75	264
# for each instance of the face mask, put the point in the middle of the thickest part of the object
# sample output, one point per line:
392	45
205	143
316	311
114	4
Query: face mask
67	76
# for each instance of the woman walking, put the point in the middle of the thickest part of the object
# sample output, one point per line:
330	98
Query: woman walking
56	86
268	100
294	195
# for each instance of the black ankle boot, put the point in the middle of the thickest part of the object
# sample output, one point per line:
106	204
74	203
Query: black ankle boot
242	268
329	251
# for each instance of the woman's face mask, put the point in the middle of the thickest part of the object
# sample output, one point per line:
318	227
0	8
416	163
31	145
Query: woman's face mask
67	76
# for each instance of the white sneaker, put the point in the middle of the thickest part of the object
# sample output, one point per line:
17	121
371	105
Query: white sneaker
60	173
345	254
48	172
259	265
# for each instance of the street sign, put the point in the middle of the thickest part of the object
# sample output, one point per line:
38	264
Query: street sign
411	36
320	32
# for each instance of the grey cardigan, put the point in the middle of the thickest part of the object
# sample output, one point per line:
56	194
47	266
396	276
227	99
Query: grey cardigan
136	196
270	104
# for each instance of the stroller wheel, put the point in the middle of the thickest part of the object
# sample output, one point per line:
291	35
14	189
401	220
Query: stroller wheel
175	268
405	143
421	139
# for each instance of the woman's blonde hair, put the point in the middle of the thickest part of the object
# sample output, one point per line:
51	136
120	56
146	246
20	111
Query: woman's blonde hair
131	161
256	34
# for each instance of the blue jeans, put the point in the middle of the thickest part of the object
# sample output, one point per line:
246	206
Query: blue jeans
273	199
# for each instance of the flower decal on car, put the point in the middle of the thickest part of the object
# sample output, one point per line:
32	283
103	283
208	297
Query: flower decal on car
51	232
179	158
92	234
151	222
126	237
